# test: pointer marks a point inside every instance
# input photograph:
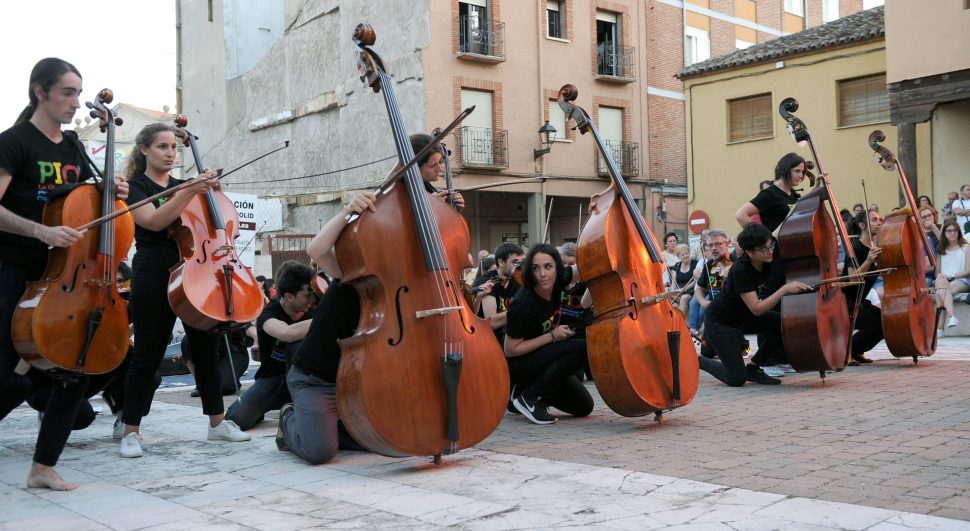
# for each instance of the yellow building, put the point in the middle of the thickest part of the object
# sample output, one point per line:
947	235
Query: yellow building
837	73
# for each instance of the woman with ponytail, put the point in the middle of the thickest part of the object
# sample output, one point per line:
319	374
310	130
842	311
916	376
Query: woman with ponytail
148	168
37	158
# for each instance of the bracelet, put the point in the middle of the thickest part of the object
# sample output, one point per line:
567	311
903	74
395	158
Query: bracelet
552	336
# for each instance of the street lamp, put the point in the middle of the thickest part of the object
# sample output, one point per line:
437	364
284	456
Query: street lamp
547	135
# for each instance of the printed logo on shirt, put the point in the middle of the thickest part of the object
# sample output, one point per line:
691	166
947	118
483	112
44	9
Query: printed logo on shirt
552	321
279	353
53	174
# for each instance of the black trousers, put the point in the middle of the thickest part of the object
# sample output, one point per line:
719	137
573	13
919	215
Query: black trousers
154	319
66	393
549	374
726	341
869	329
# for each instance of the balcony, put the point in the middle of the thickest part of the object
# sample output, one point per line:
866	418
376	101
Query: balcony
624	154
481	41
615	64
483	148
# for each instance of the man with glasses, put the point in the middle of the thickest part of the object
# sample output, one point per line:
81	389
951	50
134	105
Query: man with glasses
712	274
740	309
498	292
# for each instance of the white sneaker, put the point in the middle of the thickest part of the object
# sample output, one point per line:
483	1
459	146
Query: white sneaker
118	431
786	368
228	430
939	332
773	371
953	321
131	445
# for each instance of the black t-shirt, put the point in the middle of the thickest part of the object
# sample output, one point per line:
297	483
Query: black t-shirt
272	351
37	167
728	308
531	316
681	277
773	205
503	298
851	291
713	275
336	317
155	250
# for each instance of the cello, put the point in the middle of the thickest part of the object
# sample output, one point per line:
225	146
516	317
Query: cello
909	315
75	318
815	326
640	350
210	288
423	375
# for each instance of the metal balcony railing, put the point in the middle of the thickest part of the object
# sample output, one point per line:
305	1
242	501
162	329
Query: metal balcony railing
624	155
483	147
476	37
616	61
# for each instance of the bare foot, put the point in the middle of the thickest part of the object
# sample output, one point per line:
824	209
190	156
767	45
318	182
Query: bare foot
45	477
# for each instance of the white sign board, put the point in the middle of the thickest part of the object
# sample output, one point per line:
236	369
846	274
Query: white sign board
249	222
97	150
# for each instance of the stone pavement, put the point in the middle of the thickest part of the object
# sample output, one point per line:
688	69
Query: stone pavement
884	446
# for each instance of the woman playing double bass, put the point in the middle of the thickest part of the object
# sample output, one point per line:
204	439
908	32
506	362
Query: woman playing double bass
37	158
868	323
148	169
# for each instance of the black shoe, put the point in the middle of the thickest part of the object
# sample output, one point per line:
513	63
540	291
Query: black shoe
533	410
195	394
756	375
861	358
511	407
285	411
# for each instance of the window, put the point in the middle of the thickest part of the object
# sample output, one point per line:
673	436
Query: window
830	10
749	118
477	138
557	119
741	45
863	100
697	46
474	25
609	40
795	7
556	19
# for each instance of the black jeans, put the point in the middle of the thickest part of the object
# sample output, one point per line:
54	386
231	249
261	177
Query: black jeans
869	329
153	319
548	374
726	341
66	393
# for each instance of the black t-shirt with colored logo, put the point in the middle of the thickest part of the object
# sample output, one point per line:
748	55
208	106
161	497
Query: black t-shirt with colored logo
37	166
728	308
531	316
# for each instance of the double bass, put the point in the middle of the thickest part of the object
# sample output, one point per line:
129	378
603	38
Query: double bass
815	326
909	315
75	318
640	350
423	375
210	288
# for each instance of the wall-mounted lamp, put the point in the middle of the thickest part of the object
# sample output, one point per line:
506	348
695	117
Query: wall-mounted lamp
547	135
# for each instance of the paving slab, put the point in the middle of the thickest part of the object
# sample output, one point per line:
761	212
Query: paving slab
883	447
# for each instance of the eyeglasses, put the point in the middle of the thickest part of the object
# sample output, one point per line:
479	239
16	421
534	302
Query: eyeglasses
712	245
766	248
952	229
926	216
